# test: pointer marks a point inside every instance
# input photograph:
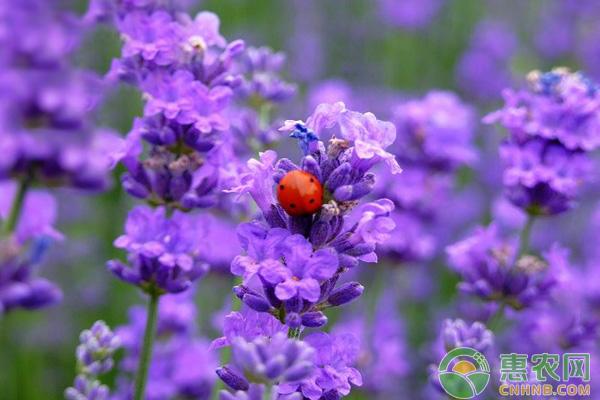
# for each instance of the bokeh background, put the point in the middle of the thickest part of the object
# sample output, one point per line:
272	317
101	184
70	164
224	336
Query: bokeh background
375	53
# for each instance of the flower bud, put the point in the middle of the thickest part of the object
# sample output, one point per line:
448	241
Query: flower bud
293	320
256	302
232	379
345	293
314	319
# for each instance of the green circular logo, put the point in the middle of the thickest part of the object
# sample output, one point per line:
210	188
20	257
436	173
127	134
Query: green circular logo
464	373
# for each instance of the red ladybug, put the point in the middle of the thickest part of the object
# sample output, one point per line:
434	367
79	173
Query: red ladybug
300	193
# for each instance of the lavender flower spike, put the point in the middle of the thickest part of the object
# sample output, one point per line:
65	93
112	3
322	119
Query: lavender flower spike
163	252
458	333
267	361
491	270
552	127
94	358
293	262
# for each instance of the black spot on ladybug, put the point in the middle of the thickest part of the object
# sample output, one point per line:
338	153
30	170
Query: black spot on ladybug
311	180
281	187
292	205
311	201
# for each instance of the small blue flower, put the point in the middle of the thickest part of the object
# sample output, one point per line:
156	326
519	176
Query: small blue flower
305	136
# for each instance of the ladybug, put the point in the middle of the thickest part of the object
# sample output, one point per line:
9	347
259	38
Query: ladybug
300	193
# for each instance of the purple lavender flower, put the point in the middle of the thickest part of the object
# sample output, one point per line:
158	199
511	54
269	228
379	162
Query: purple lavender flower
334	375
46	105
152	37
105	10
163	252
561	105
458	333
491	269
161	39
183	181
184	67
551	128
84	389
435	138
19	285
186	103
258	392
22	252
569	321
543	177
295	261
262	67
47	35
303	271
248	324
188	75
369	135
277	359
262	355
94	358
437	130
39	213
253	119
98	344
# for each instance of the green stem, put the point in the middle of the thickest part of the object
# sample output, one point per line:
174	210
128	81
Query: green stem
496	319
267	392
525	235
17	206
236	303
146	355
264	115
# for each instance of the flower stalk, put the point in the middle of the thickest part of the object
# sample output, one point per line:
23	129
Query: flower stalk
17	206
267	395
146	354
525	235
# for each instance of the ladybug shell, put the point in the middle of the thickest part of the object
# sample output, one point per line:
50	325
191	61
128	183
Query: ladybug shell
300	193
